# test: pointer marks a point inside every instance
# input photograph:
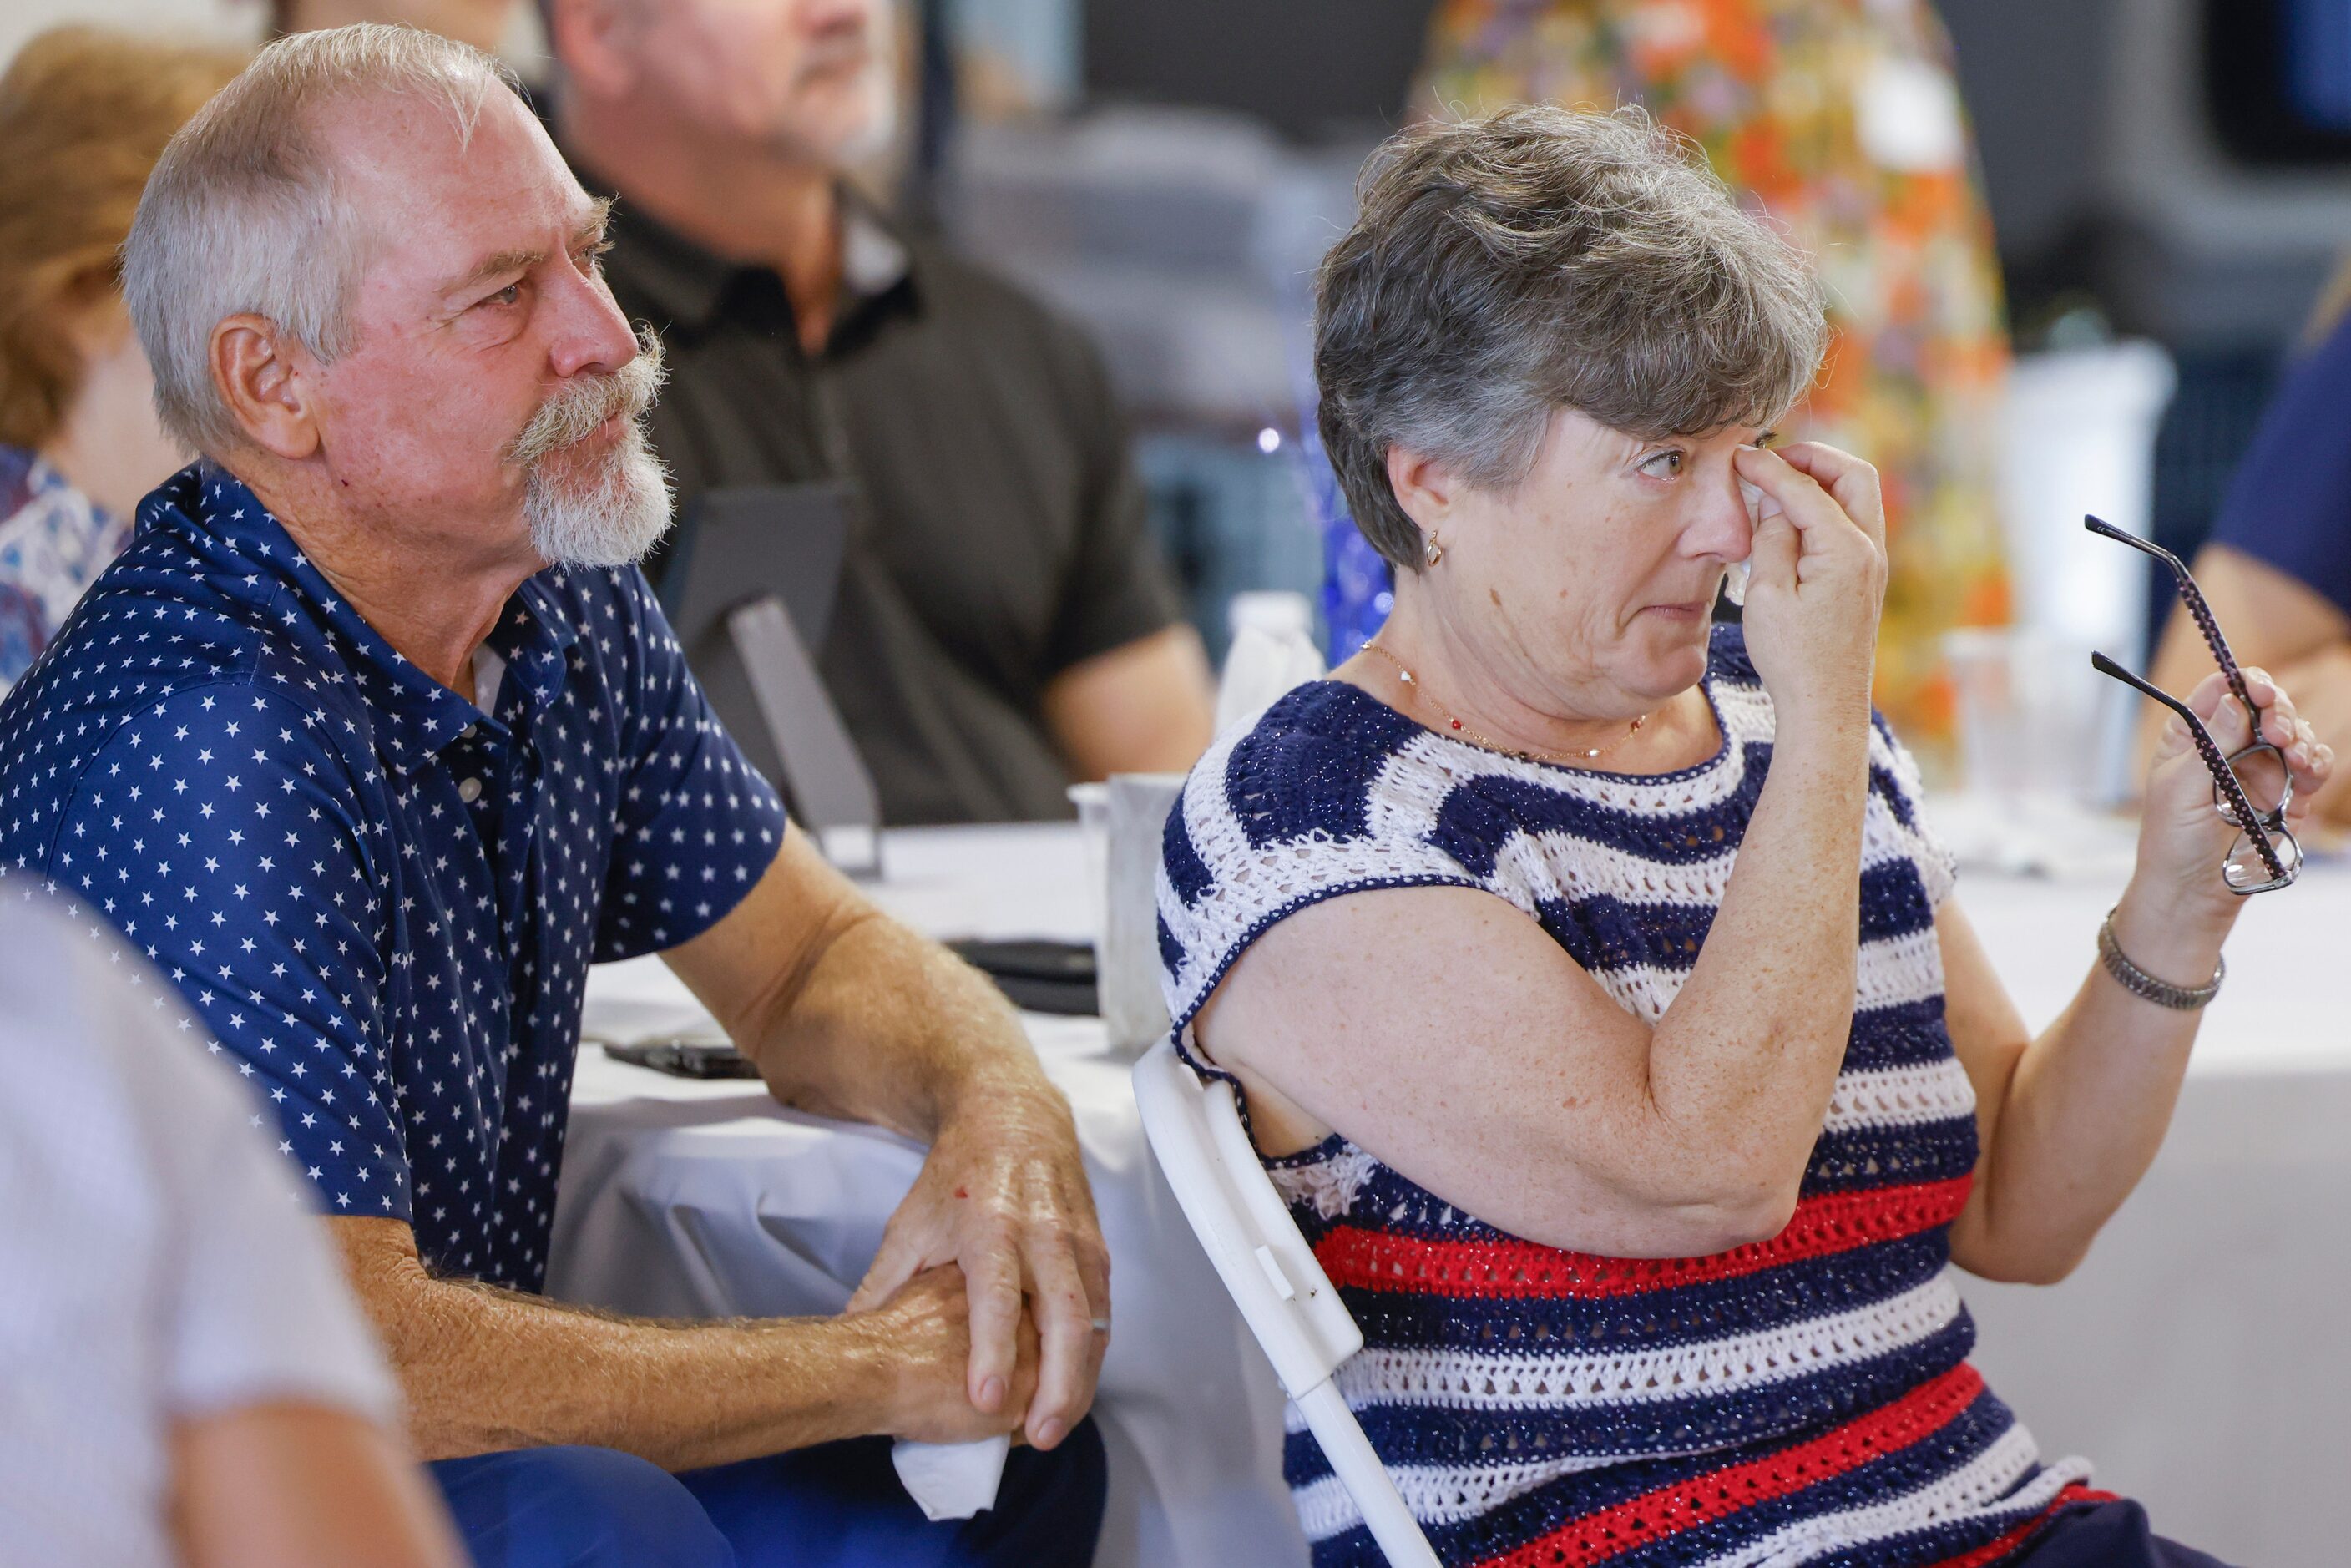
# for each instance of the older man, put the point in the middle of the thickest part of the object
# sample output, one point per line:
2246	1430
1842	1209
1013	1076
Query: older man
375	739
1004	624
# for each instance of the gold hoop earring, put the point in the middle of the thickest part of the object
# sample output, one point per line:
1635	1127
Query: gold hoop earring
1432	551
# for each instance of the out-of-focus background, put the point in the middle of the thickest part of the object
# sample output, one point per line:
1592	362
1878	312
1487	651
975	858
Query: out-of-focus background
2168	181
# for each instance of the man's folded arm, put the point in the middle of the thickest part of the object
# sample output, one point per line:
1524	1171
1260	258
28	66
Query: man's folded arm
486	1369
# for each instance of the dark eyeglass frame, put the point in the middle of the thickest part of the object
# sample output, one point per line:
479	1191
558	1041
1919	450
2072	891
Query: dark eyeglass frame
2271	841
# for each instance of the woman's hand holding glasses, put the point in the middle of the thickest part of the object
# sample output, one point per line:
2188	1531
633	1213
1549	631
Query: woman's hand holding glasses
2185	832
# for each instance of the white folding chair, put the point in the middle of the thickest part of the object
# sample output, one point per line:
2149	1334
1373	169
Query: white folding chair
1195	1128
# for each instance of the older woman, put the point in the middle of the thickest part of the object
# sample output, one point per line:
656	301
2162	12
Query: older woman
1590	977
84	113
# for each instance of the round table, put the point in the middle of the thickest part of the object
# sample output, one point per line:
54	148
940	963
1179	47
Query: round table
2196	1355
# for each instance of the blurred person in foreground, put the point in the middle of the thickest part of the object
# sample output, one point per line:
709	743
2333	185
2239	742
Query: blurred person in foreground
1004	623
1593	983
185	1377
1842	122
375	738
84	113
2276	567
481	22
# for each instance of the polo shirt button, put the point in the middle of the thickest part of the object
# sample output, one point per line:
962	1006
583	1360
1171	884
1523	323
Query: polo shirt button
469	732
470	790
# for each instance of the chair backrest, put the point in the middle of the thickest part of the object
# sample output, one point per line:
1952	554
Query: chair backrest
1194	1129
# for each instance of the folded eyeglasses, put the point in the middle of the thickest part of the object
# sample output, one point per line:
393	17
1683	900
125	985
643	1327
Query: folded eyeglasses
2265	855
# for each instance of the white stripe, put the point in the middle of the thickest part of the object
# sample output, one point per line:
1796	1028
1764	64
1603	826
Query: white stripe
1898	971
1438	1495
1901	1097
1895	971
1979	1487
1736	1364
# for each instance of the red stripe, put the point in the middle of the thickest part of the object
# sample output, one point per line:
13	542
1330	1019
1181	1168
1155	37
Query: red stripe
1520	1271
1993	1552
1701	1499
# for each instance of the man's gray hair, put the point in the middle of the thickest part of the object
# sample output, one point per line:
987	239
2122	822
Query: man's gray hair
1502	269
243	213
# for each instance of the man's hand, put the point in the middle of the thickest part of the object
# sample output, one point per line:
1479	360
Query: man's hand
850	1014
1003	1195
927	1324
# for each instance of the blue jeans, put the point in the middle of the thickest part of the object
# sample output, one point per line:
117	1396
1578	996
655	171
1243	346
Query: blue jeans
837	1506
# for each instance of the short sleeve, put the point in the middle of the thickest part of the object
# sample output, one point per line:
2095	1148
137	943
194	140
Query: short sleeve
223	835
2290	504
1118	590
1287	815
697	826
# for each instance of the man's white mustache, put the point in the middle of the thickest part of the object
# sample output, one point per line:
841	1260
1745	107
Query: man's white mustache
578	406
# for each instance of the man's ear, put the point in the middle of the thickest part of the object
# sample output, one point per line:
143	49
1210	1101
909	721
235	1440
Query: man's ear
270	386
595	42
1425	488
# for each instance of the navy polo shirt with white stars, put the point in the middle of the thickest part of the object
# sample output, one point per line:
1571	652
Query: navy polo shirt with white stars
382	899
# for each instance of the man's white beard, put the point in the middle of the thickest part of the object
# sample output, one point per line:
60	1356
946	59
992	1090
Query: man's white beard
613	515
622	513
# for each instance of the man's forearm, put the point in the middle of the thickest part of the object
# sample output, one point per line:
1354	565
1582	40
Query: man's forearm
486	1369
889	1028
849	1013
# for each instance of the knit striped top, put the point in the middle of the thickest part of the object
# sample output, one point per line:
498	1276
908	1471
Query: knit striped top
1804	1400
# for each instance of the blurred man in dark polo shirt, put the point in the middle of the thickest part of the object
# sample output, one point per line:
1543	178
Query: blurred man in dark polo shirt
1004	625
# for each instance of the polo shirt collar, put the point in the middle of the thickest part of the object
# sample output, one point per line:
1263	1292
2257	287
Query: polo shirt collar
690	284
412	714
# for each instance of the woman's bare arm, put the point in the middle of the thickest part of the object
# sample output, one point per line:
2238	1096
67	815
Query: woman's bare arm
1445	1031
2069	1122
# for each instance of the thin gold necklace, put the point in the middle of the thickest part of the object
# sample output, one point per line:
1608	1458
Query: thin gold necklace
1593	754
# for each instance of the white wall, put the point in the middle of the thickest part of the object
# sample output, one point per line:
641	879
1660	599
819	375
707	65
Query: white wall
236	21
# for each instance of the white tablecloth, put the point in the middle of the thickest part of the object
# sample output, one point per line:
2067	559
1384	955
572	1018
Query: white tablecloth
2197	1356
684	1198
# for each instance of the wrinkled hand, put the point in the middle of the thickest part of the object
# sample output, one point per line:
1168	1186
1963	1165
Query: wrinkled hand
926	1324
1816	578
1004	1196
2181	838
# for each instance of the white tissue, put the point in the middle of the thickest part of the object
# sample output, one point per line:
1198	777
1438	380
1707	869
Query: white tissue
951	1480
1734	583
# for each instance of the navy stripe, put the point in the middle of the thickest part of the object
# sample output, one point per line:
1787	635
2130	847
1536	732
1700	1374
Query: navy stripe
1475	824
1604	932
1419	1433
1883	785
1865	1157
1306	771
1727	656
1187	874
1907	1034
1894	900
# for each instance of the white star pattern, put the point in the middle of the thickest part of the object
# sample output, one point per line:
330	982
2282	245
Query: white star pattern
381	900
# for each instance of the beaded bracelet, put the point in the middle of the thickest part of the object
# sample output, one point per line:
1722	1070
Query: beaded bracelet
2139	983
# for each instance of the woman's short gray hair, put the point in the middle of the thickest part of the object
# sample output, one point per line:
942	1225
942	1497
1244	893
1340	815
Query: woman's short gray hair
1499	269
242	213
